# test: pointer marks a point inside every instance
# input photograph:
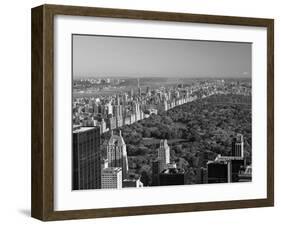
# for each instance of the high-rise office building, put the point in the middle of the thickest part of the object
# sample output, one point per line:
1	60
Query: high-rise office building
111	178
225	169
131	93
86	158
163	155
117	153
139	88
237	165
136	110
109	108
118	113
155	172
102	125
95	107
148	91
218	172
111	121
172	176
238	146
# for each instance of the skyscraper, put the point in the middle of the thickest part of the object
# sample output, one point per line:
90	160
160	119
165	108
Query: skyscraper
111	122
172	176
225	169
237	165
118	111
109	108
218	172
117	153
136	110
111	177
238	146
155	172
139	88
102	125
163	155
148	91
131	93
86	158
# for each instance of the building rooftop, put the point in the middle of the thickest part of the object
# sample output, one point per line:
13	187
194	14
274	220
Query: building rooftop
112	169
131	180
238	138
115	139
83	129
228	158
173	171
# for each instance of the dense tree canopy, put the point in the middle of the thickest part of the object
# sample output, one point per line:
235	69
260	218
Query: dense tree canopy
196	132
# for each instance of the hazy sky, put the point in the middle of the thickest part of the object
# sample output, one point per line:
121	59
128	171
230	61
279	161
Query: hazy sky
121	56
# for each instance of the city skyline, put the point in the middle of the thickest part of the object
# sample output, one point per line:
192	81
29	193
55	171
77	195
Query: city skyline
188	133
159	112
99	56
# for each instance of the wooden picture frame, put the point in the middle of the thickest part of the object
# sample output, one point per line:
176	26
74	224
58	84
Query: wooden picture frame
42	203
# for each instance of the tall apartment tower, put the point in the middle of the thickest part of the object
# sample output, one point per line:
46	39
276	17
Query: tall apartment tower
109	108
238	146
86	158
118	111
139	88
111	178
117	153
136	110
131	93
163	155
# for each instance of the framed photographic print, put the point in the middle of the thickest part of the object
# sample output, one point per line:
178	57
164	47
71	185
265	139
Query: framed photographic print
141	112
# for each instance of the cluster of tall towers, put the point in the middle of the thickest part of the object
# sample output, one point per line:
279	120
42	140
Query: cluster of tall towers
163	171
226	169
117	162
90	171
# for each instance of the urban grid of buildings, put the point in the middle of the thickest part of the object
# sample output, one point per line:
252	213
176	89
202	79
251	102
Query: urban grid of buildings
93	116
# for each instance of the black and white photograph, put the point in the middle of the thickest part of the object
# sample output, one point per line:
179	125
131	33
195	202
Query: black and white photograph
152	112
